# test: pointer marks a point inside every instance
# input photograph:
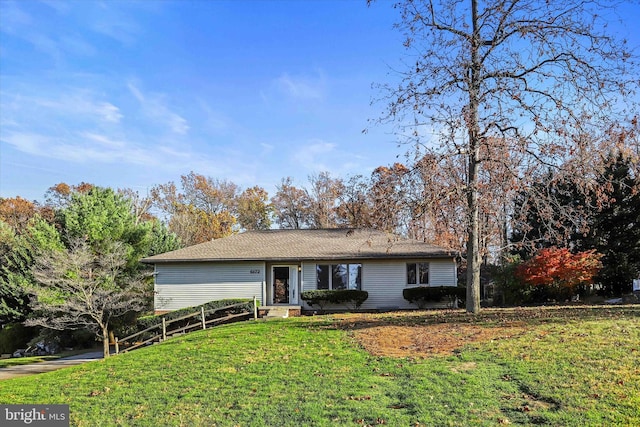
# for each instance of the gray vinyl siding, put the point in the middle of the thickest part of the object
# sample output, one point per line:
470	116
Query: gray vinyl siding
385	280
442	273
180	285
308	276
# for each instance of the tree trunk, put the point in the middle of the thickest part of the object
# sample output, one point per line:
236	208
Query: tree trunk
473	227
473	258
105	342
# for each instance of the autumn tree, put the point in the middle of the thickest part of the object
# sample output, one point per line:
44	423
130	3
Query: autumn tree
291	206
59	195
16	217
254	209
540	76
16	212
203	209
560	271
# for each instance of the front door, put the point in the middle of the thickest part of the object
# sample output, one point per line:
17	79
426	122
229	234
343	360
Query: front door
285	284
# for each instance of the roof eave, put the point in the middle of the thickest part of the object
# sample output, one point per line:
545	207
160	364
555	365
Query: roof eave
316	258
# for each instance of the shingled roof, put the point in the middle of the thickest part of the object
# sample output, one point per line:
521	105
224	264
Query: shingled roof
300	245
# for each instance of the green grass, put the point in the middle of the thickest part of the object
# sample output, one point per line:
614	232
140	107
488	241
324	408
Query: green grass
567	368
5	363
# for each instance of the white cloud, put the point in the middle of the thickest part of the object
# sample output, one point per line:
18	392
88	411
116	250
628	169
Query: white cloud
104	141
314	155
29	143
80	148
77	103
154	106
302	87
322	156
266	148
110	112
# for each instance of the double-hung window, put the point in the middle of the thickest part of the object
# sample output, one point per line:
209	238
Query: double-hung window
418	274
339	276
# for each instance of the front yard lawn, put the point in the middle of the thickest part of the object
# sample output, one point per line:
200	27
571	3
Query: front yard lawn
560	367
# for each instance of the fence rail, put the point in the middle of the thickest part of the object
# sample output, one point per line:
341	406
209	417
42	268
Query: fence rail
201	323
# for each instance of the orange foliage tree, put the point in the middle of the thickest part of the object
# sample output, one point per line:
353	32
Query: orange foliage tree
559	270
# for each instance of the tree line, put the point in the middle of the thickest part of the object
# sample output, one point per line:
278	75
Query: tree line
423	200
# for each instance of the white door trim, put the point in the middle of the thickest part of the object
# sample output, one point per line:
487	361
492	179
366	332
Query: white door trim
294	283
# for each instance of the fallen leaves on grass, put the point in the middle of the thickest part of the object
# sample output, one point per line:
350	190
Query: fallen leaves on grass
427	340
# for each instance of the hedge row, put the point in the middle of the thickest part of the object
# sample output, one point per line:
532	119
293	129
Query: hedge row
421	295
353	298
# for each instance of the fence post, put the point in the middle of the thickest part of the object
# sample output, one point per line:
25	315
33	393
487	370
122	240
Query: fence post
164	329
255	308
117	346
204	325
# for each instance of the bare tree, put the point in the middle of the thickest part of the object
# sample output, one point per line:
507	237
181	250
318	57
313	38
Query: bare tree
323	200
140	205
437	202
79	289
291	206
354	206
538	75
388	195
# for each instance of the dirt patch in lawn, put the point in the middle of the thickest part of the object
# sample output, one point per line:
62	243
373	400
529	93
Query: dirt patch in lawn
441	332
428	340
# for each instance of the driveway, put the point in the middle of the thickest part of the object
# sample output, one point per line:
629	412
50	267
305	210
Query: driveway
49	365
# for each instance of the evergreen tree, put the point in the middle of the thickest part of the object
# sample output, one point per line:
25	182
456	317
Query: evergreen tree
615	229
17	253
609	221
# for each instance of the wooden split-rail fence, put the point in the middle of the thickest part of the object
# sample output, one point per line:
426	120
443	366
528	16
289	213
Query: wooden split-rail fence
195	321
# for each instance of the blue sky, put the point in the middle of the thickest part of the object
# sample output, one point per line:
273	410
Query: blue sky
136	93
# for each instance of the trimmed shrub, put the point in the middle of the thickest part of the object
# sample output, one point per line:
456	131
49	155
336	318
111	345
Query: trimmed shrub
352	298
421	295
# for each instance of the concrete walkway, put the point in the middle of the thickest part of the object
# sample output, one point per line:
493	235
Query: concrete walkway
49	365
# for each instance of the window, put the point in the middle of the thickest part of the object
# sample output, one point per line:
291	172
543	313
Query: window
418	273
322	272
339	276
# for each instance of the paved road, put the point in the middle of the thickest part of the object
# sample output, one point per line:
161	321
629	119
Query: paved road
49	365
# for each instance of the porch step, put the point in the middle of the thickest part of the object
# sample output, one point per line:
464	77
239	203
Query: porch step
277	312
